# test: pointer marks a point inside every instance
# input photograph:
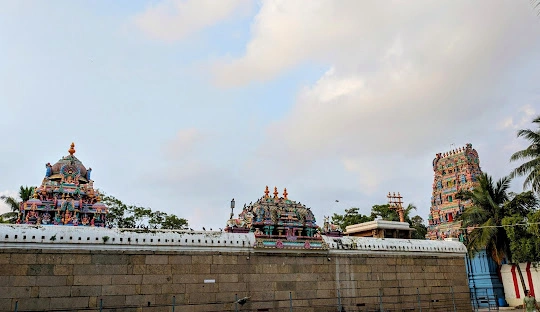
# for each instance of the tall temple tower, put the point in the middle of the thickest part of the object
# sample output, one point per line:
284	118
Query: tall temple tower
453	171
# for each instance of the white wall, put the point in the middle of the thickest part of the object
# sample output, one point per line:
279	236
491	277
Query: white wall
531	275
78	237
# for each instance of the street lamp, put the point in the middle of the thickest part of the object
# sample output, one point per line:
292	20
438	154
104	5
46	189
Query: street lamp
232	208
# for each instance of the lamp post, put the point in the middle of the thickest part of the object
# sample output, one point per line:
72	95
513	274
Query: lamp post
232	208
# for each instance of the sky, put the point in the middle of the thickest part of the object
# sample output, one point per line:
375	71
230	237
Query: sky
182	105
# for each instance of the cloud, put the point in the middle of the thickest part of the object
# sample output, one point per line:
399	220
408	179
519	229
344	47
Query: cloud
368	174
183	143
398	88
403	82
524	117
172	20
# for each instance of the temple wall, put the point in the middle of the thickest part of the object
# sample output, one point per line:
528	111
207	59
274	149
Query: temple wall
206	275
512	283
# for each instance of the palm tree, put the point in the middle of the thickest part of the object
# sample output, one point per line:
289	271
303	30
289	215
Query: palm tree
491	203
25	193
531	155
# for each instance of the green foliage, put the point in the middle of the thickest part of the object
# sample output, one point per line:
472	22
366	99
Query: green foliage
25	193
384	212
172	222
3	219
531	155
351	216
492	208
132	216
388	214
418	224
522	231
487	212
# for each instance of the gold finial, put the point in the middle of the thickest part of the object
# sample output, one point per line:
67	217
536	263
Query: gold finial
98	198
276	193
72	149
35	194
266	192
285	193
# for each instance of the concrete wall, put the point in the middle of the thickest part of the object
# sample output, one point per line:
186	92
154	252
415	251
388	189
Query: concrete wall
56	275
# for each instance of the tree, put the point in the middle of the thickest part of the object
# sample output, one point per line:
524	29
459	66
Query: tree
2	220
25	193
388	214
485	216
172	222
418	224
531	155
522	228
132	216
491	204
351	216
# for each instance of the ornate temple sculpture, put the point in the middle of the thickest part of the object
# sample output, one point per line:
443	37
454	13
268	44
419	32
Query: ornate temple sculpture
65	197
278	222
454	171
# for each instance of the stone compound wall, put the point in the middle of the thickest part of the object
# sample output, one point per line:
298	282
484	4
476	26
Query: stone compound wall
61	275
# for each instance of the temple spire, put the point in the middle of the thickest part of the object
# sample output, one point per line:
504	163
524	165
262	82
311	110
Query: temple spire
266	192
72	149
276	193
285	194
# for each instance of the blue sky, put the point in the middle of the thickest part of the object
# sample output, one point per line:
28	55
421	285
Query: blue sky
183	105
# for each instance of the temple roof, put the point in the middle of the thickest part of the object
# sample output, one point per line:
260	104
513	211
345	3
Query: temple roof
468	152
66	163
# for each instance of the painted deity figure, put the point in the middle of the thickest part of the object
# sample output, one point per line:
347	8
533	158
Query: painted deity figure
46	219
259	214
57	218
48	170
84	220
67	217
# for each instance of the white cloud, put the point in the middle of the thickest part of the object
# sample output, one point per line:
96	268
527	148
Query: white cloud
525	115
171	20
403	79
183	143
368	174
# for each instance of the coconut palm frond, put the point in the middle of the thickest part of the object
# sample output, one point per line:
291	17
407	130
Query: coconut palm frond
531	168
11	202
529	135
25	192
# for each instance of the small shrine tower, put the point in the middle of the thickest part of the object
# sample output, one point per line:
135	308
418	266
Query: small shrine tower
455	170
66	196
278	222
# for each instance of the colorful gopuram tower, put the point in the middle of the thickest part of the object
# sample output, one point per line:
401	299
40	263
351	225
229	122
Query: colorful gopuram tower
453	171
66	196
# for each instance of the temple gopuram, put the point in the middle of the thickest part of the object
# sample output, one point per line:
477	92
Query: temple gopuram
454	171
278	222
66	196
